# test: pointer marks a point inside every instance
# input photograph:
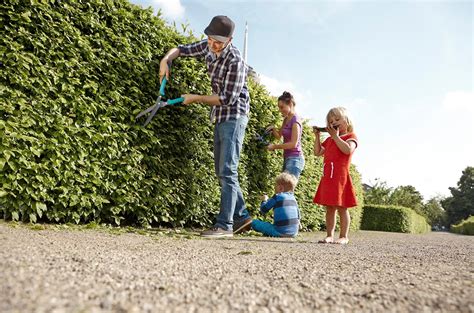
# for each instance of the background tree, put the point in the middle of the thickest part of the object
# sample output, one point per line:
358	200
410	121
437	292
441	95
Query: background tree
408	197
434	212
379	193
461	204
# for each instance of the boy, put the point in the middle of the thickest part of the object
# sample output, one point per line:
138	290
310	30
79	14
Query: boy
286	216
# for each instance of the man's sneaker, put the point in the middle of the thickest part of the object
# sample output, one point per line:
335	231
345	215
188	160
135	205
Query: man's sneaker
216	232
242	226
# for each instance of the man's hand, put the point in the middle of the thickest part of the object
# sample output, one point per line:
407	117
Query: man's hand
164	69
190	98
264	198
165	63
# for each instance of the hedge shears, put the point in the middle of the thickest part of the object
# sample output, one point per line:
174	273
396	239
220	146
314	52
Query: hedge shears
159	103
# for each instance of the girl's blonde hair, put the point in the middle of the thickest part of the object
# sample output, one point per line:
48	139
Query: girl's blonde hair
341	112
287	181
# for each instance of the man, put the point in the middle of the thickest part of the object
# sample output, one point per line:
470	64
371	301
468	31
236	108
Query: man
230	105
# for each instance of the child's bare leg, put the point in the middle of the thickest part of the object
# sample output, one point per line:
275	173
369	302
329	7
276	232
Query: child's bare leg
345	219
330	224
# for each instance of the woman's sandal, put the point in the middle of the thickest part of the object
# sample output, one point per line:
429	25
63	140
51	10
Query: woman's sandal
326	240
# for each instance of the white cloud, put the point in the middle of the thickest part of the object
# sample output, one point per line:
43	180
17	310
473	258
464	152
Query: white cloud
308	105
459	101
170	8
304	98
276	87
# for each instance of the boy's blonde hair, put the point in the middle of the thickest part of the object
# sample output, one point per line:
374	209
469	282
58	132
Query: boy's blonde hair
342	113
287	181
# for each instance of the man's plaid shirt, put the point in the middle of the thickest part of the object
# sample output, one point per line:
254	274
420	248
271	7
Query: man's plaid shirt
228	75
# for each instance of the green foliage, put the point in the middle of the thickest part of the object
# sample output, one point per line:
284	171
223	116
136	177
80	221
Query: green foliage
409	197
74	74
393	219
461	204
434	212
379	193
312	215
465	227
257	166
405	196
356	212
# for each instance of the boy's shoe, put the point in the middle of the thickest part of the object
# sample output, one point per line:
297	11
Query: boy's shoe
243	226
216	232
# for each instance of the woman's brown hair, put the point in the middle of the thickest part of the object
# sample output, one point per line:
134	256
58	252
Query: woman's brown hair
287	98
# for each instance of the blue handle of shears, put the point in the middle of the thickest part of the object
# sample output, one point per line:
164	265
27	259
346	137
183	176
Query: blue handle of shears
162	87
175	101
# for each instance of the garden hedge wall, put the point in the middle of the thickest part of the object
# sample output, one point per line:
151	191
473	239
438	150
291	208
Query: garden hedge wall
74	74
393	219
465	227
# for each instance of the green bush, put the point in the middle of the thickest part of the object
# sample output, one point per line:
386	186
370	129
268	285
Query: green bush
465	227
393	219
74	74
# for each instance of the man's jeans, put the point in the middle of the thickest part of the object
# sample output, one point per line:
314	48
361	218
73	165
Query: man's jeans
294	165
228	139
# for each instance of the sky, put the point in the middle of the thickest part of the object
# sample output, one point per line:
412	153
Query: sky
403	69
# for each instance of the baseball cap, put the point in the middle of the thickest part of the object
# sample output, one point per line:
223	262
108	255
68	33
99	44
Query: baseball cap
220	28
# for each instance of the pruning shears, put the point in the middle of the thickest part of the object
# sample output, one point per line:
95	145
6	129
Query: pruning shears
263	138
159	103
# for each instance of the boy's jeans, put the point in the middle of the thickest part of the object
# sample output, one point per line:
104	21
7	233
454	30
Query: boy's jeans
270	230
294	165
228	139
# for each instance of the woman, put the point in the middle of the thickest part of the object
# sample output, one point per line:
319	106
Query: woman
291	131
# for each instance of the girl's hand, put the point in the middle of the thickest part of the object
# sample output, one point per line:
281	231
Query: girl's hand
271	147
333	130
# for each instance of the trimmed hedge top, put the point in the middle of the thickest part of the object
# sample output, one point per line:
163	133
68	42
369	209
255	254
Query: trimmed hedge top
393	219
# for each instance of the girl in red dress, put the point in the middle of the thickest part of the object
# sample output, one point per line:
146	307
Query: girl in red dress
335	190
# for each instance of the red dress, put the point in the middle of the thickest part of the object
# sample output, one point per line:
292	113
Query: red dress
335	187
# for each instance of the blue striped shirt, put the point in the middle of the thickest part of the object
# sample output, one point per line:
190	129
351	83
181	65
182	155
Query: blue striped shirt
285	207
228	74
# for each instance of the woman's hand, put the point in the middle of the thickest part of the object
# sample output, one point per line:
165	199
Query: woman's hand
271	147
270	128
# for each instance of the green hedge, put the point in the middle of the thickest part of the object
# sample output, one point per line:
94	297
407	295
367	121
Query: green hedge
74	74
393	219
465	227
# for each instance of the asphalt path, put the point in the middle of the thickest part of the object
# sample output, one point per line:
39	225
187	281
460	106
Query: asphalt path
71	269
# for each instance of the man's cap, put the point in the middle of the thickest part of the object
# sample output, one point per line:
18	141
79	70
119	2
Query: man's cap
220	28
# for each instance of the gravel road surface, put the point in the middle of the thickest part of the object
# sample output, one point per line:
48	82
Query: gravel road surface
60	269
